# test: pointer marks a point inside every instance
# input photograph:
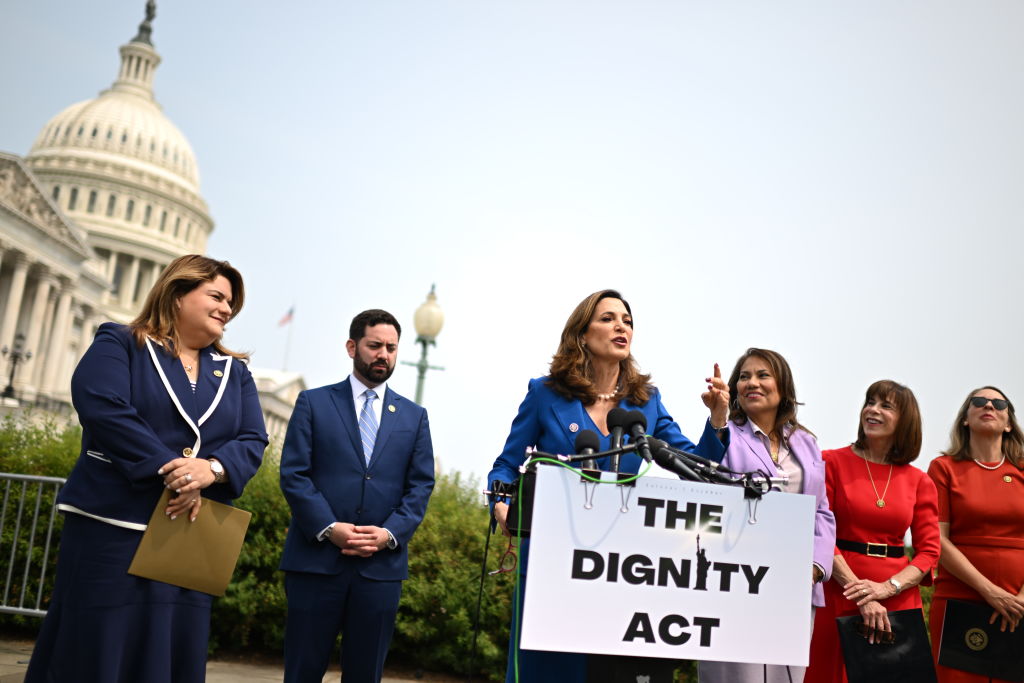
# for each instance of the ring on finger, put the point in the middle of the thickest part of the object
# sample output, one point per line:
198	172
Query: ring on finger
188	477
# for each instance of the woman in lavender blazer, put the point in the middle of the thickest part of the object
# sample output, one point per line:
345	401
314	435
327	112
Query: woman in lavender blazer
765	435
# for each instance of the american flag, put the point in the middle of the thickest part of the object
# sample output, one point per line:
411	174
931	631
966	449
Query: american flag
287	318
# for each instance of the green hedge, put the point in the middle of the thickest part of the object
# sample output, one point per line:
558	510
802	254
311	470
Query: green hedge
434	627
434	630
35	444
38	444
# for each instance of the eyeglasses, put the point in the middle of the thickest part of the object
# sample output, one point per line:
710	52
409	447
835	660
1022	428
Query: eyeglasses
508	561
982	401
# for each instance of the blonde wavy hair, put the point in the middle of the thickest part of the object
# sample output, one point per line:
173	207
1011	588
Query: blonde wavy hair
160	311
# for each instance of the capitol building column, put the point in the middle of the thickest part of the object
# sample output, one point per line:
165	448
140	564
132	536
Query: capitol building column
127	296
57	348
91	321
14	300
44	283
151	277
35	368
111	268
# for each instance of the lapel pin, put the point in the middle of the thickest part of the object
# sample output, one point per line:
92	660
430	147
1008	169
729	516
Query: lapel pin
573	427
391	408
218	373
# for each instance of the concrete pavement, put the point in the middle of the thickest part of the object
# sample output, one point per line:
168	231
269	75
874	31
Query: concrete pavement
14	656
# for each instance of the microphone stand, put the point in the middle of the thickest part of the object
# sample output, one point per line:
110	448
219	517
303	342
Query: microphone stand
616	448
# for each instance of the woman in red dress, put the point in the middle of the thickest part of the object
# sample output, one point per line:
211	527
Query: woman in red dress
981	517
876	495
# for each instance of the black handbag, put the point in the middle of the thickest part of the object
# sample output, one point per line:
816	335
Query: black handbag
970	643
903	656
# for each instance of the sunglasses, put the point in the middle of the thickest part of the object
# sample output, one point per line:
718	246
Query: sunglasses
997	403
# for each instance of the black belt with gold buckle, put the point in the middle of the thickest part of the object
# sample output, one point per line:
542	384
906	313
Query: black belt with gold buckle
871	549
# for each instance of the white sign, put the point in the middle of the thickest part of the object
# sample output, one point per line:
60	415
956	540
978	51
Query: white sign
627	575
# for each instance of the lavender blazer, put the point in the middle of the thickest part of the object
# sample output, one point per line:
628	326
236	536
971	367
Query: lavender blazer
746	453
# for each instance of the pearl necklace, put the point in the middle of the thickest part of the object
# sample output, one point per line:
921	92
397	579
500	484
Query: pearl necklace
990	467
608	397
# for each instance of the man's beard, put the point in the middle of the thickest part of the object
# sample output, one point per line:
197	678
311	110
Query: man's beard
375	372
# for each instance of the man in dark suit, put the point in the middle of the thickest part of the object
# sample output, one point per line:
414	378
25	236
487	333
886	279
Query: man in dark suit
357	469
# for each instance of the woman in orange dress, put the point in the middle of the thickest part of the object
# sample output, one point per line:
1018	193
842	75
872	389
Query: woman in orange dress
876	495
981	517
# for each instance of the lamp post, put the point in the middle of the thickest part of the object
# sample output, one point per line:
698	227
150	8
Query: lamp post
18	354
428	321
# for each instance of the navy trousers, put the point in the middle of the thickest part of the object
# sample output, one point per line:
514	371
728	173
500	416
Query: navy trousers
319	607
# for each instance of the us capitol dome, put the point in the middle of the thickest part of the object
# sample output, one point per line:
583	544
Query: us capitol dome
124	173
107	196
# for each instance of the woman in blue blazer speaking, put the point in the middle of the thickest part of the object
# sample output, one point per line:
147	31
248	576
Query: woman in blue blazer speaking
163	405
592	372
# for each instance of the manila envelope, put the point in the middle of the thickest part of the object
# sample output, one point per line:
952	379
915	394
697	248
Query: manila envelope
199	555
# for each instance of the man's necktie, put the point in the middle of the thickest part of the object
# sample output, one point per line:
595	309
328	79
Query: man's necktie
368	424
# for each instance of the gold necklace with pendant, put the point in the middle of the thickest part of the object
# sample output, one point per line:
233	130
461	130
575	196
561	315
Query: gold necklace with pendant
189	367
879	499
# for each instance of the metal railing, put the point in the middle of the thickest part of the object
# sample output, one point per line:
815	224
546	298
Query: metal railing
28	513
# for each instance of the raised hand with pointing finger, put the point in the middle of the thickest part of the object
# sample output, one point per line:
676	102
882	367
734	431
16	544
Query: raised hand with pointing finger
716	398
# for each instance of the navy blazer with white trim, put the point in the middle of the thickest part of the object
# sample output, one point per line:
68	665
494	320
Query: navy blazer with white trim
138	412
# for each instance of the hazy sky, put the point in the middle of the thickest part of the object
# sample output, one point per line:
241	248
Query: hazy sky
841	182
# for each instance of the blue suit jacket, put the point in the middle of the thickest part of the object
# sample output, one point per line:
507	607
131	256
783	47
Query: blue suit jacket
546	420
325	479
747	454
138	412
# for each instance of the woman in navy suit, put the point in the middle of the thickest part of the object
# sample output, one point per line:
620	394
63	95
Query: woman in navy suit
764	435
163	405
592	372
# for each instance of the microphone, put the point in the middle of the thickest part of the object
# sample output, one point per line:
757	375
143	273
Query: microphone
587	443
690	466
638	433
617	420
693	459
671	462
